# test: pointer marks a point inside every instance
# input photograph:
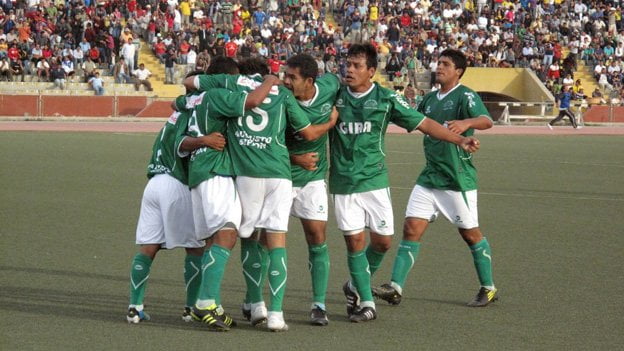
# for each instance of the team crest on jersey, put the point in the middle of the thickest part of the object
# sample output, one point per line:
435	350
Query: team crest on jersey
173	118
428	110
340	103
370	105
448	105
470	97
325	108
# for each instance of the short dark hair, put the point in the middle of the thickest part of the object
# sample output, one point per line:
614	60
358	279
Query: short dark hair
306	64
254	65
222	65
458	58
366	50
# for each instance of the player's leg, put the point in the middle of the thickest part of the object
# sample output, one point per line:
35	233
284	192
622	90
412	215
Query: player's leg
254	257
461	209
310	205
420	209
380	219
192	278
150	234
572	118
274	219
351	219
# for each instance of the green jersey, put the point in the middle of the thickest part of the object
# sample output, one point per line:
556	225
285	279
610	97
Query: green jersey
256	140
448	166
165	158
318	110
210	113
358	158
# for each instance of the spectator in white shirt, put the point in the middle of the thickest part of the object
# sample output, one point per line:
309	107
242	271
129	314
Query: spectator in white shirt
142	78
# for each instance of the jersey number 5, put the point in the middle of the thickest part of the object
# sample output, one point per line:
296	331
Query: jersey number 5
251	124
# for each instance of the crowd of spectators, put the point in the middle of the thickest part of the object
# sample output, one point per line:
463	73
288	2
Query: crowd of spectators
548	36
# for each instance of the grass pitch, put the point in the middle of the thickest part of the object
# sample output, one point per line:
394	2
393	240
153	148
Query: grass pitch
551	207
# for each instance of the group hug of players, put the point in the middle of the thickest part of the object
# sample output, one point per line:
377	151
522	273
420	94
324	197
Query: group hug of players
253	151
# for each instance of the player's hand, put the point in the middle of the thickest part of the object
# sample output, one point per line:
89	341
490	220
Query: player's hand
307	161
458	126
470	144
214	141
333	117
274	79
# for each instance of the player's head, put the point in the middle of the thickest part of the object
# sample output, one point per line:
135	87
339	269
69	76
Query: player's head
361	65
451	67
300	75
222	65
254	65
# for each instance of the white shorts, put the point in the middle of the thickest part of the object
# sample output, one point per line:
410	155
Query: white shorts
215	205
371	209
460	208
310	201
166	216
266	204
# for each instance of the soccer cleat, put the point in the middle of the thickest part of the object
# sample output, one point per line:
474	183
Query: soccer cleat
549	126
353	298
134	316
318	316
186	315
276	322
225	317
484	297
364	314
246	310
387	293
258	313
210	318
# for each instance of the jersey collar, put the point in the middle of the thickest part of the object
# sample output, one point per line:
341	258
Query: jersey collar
309	103
361	95
442	96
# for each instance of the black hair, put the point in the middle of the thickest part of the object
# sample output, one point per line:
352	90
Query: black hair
222	65
366	50
254	65
458	58
306	64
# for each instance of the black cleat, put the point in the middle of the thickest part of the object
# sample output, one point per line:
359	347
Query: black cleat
484	297
246	310
318	316
186	314
210	317
363	315
387	293
134	316
353	298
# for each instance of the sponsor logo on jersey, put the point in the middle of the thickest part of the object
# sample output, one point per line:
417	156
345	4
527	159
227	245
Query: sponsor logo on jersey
257	141
173	118
340	103
428	110
470	96
354	127
326	108
448	105
194	100
370	105
401	100
253	84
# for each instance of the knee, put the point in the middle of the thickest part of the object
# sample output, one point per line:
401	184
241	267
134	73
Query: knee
382	245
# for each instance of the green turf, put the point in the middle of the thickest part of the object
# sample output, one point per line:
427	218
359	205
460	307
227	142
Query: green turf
552	208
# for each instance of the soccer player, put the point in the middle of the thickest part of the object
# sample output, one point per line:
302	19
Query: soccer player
216	205
166	219
262	166
358	176
309	167
448	183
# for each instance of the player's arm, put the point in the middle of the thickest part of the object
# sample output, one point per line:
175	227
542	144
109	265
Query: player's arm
306	161
436	130
214	141
255	97
461	125
204	82
315	131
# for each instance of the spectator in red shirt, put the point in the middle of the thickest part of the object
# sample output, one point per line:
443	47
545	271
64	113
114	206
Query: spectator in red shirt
94	54
13	53
230	49
160	49
275	64
184	50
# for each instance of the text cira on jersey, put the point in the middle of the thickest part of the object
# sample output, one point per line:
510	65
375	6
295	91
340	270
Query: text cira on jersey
252	84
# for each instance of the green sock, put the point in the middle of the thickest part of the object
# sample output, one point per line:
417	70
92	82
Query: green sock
319	269
360	274
192	277
482	255
404	261
214	266
278	275
374	259
253	257
139	273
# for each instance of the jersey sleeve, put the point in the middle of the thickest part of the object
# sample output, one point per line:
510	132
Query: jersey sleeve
403	115
297	118
205	82
225	103
330	83
180	103
474	106
181	126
